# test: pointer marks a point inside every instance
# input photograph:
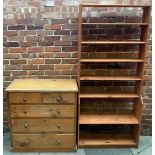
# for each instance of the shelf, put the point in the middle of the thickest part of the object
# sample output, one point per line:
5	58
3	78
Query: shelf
111	60
125	24
108	95
113	42
106	140
114	5
108	119
113	78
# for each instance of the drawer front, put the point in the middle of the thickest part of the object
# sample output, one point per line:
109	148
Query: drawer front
43	125
24	98
66	98
47	140
54	111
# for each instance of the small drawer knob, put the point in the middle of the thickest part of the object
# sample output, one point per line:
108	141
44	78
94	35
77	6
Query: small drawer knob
26	125
58	142
25	111
24	99
59	98
58	126
58	111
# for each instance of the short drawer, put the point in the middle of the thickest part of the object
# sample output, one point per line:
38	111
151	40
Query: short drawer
48	140
24	98
66	98
43	125
53	111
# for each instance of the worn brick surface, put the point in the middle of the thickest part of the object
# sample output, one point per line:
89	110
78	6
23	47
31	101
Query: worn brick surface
41	42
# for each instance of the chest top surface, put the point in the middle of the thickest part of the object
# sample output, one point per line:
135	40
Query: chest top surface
43	85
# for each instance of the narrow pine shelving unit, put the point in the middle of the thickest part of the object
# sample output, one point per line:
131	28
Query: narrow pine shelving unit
132	119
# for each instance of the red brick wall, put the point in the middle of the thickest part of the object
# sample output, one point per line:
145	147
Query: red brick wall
40	41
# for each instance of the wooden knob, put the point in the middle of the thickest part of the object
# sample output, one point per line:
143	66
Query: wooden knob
58	126
25	111
58	111
26	125
24	99
59	98
58	142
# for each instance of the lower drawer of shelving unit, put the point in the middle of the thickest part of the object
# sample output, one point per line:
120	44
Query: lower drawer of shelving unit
106	140
43	141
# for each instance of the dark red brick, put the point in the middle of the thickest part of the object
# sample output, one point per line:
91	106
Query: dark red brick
16	27
52	61
34	27
11	44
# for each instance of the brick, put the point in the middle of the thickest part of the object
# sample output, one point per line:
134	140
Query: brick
29	67
15	38
6	73
5	50
34	27
46	55
70	26
52	72
69	61
16	27
36	61
69	48
25	33
19	73
11	56
62	67
62	55
36	72
17	50
35	49
4	39
17	62
51	38
52	27
69	38
11	44
9	21
5	62
12	67
24	21
46	67
52	61
53	49
60	32
33	38
10	33
45	43
28	44
44	32
62	43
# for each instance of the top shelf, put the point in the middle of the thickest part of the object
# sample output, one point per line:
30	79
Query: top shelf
114	5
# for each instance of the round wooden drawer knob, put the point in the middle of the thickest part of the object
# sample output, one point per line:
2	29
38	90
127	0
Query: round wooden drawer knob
58	126
24	99
59	98
58	111
25	111
26	125
26	143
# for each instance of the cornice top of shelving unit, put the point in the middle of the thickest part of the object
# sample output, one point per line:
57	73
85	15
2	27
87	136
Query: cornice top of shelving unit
115	5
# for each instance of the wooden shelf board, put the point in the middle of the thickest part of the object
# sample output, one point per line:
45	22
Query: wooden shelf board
113	78
113	42
114	5
108	119
108	95
106	140
111	60
132	24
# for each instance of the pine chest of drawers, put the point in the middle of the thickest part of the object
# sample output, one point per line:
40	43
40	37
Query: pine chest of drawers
43	114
